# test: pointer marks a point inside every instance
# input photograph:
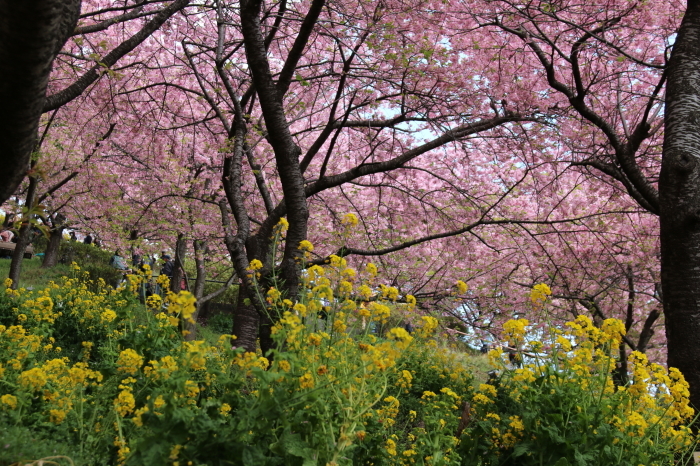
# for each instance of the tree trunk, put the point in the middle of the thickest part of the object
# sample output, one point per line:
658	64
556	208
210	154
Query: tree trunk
245	322
31	35
24	235
679	190
199	247
271	95
51	253
178	271
18	254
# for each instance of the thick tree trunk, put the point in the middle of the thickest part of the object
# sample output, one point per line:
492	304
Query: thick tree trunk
51	253
180	251
31	34
271	95
245	322
199	247
679	189
24	235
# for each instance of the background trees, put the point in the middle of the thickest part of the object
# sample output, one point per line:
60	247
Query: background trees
503	143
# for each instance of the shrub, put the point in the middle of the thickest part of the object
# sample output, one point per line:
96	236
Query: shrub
93	260
114	383
220	323
563	406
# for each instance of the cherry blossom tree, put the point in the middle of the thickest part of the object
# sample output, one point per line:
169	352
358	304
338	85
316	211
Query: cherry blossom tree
31	35
395	121
679	201
31	38
503	143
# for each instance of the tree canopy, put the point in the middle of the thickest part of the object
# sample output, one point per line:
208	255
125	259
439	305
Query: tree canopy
501	143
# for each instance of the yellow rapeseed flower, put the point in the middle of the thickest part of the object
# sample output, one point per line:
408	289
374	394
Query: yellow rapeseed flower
539	293
306	381
129	361
255	264
350	220
9	400
306	246
461	287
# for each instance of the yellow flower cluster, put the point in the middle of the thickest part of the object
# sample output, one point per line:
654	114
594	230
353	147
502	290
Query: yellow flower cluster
129	362
583	360
247	361
282	226
350	220
306	246
514	331
461	287
161	369
154	302
539	294
255	264
182	305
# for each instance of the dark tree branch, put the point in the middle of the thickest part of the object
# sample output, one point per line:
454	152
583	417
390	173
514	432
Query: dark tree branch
74	90
31	35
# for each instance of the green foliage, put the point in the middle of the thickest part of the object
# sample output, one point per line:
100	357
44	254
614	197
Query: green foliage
220	323
33	276
88	372
93	260
563	406
20	444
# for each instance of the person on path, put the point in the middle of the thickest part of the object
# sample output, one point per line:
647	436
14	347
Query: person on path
6	236
119	263
168	267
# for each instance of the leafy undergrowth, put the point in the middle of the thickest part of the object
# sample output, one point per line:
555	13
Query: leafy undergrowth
93	260
33	276
95	376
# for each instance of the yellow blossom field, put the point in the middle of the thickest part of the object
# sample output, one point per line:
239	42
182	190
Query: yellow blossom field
99	378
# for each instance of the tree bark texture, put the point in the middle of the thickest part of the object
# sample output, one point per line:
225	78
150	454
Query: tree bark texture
245	322
51	253
178	271
199	247
31	35
24	236
679	189
286	150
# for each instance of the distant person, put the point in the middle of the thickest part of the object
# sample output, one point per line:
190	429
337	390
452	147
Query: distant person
73	237
118	262
6	236
88	239
137	259
168	267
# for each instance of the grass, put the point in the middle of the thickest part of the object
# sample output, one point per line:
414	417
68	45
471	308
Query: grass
20	445
32	275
